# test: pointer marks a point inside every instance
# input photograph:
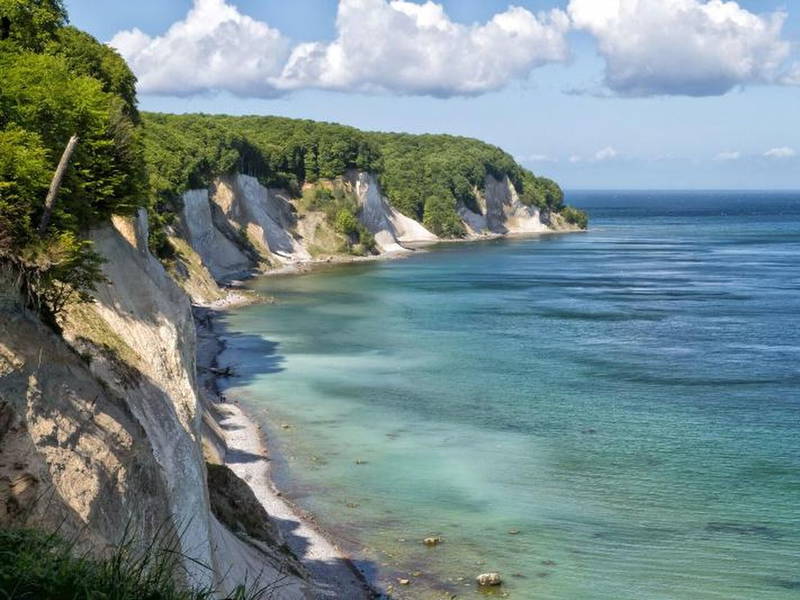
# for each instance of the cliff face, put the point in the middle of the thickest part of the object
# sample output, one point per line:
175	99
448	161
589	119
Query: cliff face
238	224
502	212
100	430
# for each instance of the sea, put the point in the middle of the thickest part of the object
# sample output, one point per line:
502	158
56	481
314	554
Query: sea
608	415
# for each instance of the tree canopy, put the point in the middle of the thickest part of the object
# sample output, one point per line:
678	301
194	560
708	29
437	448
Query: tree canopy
58	82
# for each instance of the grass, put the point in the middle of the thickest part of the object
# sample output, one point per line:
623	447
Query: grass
39	566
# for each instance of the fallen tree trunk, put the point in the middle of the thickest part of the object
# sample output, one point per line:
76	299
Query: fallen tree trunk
55	184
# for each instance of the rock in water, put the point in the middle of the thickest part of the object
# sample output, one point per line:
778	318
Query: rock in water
489	579
432	541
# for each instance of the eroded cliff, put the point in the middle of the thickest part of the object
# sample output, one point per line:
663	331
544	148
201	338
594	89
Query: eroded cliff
101	427
238	225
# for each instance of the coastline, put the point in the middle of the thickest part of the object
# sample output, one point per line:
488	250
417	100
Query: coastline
248	455
330	567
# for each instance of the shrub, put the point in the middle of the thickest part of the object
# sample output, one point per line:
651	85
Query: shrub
441	218
575	216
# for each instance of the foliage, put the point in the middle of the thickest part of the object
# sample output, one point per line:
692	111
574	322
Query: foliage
341	210
441	218
186	151
57	270
58	82
30	24
24	179
34	566
85	56
575	217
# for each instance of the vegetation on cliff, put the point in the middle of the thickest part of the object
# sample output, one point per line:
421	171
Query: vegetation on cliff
35	566
341	209
58	83
426	177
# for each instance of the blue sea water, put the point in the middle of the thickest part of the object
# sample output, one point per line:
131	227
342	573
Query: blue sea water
626	399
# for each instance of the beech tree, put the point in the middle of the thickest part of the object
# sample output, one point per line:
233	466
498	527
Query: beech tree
59	84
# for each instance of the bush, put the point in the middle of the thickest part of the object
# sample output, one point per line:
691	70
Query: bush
441	218
575	216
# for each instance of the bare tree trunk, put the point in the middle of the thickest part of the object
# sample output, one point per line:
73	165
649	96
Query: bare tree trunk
55	184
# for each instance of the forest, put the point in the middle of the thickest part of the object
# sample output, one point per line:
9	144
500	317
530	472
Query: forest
58	82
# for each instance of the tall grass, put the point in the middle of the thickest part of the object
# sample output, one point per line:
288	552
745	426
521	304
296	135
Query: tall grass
39	566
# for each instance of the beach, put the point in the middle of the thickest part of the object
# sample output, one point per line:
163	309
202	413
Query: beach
248	456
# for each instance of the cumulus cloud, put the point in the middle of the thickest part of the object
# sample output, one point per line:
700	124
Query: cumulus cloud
782	152
380	46
214	47
726	156
413	48
682	47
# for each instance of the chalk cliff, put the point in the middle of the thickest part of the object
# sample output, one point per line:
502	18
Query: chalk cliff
101	428
238	224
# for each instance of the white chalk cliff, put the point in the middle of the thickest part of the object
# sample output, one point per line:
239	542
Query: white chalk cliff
502	212
100	430
239	224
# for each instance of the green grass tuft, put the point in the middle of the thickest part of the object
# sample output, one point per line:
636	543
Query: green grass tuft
39	566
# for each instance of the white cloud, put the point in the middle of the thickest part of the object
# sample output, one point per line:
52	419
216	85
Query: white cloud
214	48
782	152
575	158
725	156
606	153
683	47
412	48
380	46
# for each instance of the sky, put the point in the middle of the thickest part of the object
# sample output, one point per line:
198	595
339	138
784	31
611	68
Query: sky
620	94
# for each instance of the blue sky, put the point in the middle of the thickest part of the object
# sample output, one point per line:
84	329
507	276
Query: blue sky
687	96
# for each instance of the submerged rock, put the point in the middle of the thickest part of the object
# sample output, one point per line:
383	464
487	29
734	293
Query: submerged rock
489	579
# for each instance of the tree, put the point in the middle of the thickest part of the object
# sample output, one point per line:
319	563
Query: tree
31	24
86	56
441	217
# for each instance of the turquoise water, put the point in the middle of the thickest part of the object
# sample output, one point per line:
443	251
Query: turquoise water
627	399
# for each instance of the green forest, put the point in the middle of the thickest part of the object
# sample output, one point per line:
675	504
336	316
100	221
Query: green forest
59	83
424	176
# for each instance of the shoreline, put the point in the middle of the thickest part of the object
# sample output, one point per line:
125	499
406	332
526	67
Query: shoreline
248	454
329	565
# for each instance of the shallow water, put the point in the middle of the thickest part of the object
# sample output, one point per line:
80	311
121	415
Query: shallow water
627	399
